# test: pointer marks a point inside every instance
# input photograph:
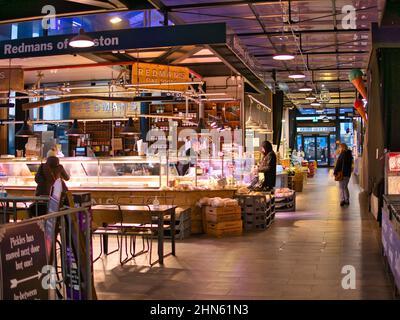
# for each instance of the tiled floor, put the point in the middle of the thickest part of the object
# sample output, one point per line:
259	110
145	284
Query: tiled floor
300	256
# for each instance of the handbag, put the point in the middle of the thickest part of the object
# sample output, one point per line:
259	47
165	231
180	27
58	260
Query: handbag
339	176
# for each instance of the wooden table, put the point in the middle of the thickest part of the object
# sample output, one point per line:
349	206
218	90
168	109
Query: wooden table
160	212
6	200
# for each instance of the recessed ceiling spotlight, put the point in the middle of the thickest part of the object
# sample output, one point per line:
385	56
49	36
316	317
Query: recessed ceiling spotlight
115	20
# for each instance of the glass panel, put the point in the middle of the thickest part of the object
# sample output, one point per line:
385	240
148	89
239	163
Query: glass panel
332	157
299	143
316	129
309	148
307	111
344	110
346	133
322	151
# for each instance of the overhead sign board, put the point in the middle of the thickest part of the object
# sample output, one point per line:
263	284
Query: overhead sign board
143	73
114	40
23	10
100	109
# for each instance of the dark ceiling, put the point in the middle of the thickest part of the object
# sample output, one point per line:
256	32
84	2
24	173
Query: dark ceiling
311	29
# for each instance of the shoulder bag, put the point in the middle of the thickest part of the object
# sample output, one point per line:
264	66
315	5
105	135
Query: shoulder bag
339	175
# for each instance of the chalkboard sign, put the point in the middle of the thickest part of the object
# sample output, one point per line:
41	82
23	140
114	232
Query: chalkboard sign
23	262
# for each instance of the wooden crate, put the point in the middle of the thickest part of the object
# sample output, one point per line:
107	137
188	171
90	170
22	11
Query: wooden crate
197	226
219	214
222	214
222	210
197	214
231	228
215	218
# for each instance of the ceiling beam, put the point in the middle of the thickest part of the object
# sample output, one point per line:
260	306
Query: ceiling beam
309	69
286	33
318	53
216	4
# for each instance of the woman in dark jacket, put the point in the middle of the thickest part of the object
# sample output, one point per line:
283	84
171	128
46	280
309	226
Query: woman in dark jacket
267	166
344	164
48	173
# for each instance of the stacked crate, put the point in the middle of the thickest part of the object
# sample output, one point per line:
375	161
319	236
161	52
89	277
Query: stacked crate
197	220
258	210
223	221
285	203
183	224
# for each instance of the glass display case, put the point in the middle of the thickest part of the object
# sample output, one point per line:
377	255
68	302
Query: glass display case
208	172
115	172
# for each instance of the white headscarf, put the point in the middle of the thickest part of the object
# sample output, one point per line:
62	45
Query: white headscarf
51	153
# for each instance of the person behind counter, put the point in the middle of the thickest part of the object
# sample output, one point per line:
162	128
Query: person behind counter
267	166
48	173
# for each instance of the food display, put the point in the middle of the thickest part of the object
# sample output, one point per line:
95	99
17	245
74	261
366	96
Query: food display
124	172
283	192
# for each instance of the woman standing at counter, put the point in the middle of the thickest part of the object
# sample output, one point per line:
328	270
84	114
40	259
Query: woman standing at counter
267	166
48	173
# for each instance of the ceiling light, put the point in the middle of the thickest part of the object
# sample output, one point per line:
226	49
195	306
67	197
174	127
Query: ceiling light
25	131
201	126
81	40
115	20
310	97
315	104
297	75
305	88
283	54
74	131
129	129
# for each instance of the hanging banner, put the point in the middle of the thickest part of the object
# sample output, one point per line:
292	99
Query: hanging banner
143	73
11	79
99	109
114	40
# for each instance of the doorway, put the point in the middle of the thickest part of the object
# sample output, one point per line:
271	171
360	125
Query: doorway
318	148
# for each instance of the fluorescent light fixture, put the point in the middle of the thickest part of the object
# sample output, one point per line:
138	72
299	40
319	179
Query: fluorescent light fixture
315	104
297	75
305	88
283	54
81	40
311	97
115	20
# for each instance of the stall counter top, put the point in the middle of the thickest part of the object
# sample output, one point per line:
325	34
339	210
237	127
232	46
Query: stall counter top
122	189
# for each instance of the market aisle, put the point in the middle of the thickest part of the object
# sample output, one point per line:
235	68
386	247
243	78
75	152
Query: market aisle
300	257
